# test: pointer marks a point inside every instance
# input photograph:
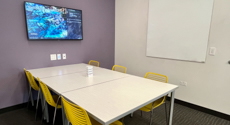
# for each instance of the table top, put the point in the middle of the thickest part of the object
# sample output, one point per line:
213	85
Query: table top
107	95
117	98
59	70
73	81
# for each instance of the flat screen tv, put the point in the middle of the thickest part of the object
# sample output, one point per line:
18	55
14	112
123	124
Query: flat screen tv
47	22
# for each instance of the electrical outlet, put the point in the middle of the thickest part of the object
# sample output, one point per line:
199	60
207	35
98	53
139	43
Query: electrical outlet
63	56
58	56
183	83
53	57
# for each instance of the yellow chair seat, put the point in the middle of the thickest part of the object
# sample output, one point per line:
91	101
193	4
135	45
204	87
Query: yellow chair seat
94	122
156	103
50	99
116	123
76	115
33	84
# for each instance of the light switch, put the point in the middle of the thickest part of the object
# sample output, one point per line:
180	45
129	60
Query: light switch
63	56
212	51
58	56
53	57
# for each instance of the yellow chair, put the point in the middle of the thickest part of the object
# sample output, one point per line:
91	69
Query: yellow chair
94	63
78	116
119	68
52	100
33	85
159	102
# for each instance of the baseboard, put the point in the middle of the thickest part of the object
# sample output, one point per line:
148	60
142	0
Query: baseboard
202	109
11	108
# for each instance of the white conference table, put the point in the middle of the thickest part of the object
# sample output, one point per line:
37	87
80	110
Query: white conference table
108	95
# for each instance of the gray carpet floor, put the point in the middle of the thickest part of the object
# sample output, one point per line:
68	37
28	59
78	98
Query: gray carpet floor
182	116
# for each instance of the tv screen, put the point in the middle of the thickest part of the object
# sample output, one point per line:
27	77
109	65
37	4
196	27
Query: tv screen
52	22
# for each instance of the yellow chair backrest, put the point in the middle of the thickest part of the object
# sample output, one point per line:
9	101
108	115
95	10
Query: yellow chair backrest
119	68
156	77
75	114
46	92
94	63
160	78
31	80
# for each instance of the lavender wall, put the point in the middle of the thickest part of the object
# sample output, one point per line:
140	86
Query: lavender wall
17	52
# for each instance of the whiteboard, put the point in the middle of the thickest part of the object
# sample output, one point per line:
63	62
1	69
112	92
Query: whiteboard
179	29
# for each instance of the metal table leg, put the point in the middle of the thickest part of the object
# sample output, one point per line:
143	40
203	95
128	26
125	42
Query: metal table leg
171	107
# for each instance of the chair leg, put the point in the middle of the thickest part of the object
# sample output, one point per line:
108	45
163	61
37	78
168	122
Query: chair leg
30	98
151	117
64	119
54	115
43	111
42	103
37	105
46	113
166	114
56	109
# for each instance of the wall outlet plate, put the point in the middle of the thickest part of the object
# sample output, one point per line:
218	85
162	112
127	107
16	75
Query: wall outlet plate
63	56
58	56
183	83
212	51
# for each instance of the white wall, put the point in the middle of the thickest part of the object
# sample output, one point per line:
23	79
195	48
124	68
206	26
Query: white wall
208	83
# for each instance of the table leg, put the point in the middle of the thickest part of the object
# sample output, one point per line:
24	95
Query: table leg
171	107
131	115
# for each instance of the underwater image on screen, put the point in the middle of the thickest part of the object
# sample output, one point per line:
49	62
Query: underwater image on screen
51	22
